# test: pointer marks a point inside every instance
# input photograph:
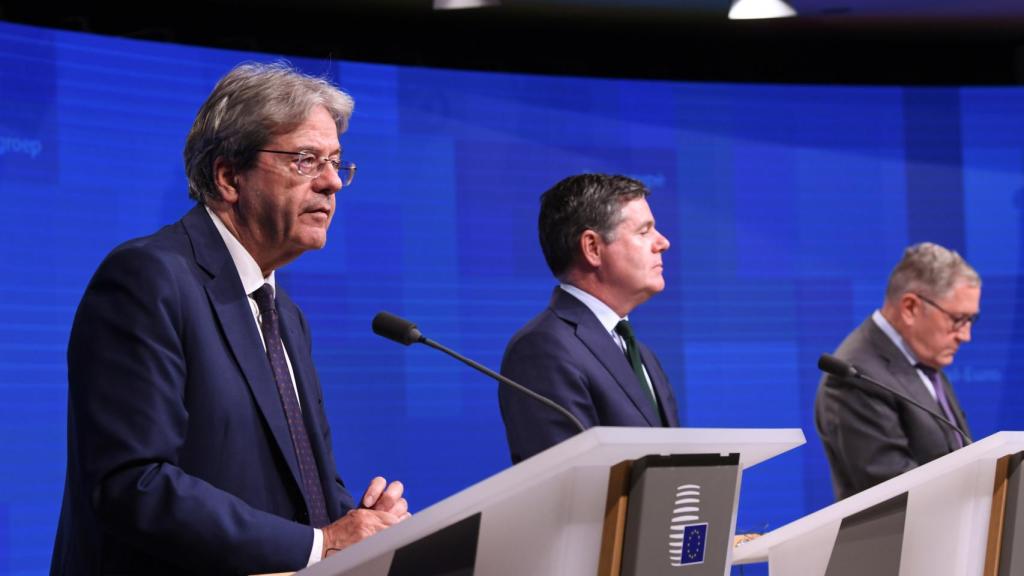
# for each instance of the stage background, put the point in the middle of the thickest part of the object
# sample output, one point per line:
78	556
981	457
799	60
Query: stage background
786	207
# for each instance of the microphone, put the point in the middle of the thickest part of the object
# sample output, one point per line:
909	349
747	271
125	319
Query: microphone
394	328
846	372
405	332
836	367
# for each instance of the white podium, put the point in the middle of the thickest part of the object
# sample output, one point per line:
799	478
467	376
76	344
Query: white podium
544	516
948	505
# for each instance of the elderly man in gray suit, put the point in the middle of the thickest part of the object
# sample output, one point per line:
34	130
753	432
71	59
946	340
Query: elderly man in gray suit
931	305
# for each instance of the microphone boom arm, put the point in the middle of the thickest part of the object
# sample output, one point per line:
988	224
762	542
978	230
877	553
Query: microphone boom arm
400	330
543	400
845	372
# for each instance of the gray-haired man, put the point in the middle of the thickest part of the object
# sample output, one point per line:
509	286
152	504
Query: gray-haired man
197	437
931	304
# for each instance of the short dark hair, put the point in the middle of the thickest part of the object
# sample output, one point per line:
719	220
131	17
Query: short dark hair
577	204
249	105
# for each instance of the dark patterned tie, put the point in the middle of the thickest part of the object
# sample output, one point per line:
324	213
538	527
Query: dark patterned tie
296	428
633	354
940	396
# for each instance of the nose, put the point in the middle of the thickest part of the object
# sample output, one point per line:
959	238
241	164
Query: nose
328	182
964	333
662	243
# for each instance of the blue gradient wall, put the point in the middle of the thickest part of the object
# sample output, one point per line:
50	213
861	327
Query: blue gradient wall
786	207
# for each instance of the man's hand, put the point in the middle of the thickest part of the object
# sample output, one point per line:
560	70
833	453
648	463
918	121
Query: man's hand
744	538
385	497
381	506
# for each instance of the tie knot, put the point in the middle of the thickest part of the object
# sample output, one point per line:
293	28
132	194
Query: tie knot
264	297
625	330
928	370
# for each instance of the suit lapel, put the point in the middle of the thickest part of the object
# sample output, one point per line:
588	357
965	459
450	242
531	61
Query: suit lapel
906	379
297	345
593	335
661	386
954	405
298	352
231	307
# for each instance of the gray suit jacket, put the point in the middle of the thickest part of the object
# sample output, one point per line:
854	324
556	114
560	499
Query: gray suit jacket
872	437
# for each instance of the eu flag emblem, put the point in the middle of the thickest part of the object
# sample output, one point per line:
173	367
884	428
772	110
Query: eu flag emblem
695	537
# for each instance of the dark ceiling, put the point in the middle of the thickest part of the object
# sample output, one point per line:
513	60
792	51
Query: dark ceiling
912	42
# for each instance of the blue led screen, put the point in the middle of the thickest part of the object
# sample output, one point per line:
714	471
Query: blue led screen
786	207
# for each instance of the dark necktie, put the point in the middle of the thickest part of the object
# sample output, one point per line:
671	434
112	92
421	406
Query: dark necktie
940	396
296	427
633	354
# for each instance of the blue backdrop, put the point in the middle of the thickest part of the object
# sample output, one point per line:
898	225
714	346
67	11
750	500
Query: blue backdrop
786	207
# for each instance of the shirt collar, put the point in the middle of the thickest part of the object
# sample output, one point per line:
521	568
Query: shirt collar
605	315
893	335
248	270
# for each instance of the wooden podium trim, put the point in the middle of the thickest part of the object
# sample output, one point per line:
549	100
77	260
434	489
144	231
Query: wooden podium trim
610	560
997	519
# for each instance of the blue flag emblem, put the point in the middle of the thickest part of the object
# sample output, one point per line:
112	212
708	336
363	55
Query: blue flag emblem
695	537
687	541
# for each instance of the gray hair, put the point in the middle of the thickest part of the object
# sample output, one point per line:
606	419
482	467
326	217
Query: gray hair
929	269
249	105
579	203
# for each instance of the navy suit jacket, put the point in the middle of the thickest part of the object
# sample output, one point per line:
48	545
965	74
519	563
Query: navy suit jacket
565	354
179	456
872	437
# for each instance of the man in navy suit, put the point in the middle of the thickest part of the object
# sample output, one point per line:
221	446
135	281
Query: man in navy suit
197	437
599	239
931	304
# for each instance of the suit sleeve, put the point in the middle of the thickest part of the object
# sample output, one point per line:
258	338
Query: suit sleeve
865	434
543	362
128	418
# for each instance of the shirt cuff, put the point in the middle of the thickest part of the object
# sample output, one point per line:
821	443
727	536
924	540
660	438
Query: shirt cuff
318	547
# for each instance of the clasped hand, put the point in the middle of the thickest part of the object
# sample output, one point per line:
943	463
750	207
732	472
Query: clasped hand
382	505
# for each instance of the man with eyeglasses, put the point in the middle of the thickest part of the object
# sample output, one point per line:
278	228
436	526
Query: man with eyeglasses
931	305
197	437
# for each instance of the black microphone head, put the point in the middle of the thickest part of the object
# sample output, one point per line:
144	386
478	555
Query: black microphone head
394	328
836	367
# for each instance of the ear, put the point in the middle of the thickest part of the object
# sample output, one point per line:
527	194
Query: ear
591	246
909	307
226	179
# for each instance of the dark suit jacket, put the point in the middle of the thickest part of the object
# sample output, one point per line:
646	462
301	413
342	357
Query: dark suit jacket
179	456
566	354
872	437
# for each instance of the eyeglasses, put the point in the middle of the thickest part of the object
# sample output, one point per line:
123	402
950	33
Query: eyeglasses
311	166
958	321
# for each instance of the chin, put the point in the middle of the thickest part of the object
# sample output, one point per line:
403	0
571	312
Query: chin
314	240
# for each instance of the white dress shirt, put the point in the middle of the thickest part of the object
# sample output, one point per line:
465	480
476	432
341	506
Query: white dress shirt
893	335
608	319
252	279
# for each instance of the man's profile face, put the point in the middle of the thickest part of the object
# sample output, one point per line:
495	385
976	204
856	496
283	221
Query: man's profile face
286	212
631	266
931	335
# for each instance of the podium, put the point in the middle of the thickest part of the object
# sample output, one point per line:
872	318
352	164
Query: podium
544	516
944	530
